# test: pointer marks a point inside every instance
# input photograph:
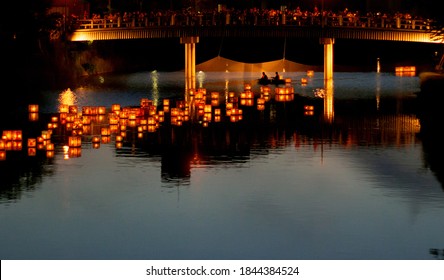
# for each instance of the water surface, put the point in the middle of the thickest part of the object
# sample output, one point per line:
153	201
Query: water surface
280	185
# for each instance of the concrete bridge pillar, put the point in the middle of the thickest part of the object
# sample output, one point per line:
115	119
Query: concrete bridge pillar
328	58
190	61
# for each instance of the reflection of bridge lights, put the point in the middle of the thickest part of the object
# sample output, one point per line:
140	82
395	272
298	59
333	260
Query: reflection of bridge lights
67	98
66	152
201	78
155	86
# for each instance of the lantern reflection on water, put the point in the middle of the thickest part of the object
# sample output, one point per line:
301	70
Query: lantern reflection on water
33	117
74	152
2	145
32	152
105	139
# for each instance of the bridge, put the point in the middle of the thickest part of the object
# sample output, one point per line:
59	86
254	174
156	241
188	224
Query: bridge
189	28
255	26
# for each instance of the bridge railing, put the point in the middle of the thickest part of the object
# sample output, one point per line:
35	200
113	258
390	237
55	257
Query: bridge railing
218	19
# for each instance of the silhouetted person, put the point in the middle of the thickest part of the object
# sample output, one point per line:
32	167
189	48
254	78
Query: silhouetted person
277	77
264	76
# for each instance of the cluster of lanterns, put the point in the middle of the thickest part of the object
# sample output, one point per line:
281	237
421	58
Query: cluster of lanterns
12	140
97	124
409	71
304	80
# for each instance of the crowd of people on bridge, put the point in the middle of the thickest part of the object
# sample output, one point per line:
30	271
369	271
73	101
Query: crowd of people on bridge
257	16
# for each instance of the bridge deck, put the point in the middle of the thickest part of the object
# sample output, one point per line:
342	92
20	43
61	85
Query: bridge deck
364	29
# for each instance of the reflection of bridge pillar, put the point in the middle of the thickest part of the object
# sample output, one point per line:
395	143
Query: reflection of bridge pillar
190	61
328	58
328	101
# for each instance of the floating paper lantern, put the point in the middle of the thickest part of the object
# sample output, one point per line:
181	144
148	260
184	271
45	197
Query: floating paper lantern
115	108
101	110
152	128
16	145
75	141
32	142
247	101
247	95
33	108
50	146
63	108
261	104
73	109
52	126
166	105
145	102
105	131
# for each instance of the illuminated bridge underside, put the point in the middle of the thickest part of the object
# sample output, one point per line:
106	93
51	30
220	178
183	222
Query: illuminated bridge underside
422	36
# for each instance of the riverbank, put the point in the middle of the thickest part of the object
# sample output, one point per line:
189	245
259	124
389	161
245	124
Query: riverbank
431	81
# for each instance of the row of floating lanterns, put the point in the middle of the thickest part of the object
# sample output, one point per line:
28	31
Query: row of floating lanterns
139	120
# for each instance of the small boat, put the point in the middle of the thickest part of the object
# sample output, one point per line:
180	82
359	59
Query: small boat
271	81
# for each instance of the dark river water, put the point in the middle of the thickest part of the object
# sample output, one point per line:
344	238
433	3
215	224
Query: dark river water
361	180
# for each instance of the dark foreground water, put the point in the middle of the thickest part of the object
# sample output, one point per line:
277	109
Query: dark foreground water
282	183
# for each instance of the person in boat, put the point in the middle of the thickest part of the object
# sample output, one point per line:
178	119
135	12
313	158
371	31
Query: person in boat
264	77
277	77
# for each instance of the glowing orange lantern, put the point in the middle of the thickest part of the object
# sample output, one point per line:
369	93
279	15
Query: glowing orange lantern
75	141
33	108
105	131
32	142
50	146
